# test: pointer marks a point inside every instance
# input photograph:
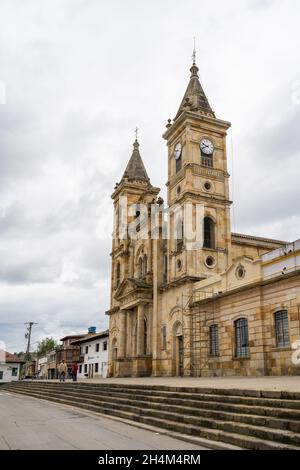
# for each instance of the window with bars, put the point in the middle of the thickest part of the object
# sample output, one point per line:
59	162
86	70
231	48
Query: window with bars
207	161
282	328
214	340
241	338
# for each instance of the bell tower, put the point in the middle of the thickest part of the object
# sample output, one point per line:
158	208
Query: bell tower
198	176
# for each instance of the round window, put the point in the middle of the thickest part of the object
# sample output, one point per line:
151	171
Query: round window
207	186
210	262
240	272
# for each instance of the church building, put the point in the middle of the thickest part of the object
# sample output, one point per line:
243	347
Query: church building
228	304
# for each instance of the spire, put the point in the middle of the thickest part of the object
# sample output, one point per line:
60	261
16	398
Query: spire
135	170
194	98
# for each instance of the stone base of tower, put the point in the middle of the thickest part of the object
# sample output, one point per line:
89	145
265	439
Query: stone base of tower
133	367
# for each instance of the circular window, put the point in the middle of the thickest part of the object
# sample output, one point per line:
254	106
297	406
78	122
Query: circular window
210	262
207	186
179	264
240	272
178	189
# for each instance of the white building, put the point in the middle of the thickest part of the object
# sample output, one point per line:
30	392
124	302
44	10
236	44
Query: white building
10	368
94	355
42	367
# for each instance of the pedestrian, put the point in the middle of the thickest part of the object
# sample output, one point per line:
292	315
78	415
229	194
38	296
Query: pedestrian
62	369
74	371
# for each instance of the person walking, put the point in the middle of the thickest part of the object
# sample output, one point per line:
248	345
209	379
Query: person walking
62	369
74	371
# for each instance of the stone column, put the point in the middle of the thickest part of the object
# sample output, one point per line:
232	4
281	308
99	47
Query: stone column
122	334
140	330
128	334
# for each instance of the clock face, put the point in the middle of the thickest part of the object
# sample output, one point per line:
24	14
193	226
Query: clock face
207	146
178	150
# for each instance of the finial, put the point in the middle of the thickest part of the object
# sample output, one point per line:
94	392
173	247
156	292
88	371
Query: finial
194	52
136	143
194	69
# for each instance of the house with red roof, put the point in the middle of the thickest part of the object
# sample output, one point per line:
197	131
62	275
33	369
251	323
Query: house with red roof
10	366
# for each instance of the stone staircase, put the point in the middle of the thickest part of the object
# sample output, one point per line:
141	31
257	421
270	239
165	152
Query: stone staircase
249	419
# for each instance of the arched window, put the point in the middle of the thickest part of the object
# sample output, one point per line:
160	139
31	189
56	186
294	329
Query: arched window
178	163
209	233
214	340
145	267
241	338
140	268
118	274
179	233
282	329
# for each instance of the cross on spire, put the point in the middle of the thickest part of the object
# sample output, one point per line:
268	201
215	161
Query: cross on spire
136	131
194	52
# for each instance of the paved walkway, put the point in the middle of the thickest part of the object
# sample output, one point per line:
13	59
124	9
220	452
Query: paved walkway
291	384
27	423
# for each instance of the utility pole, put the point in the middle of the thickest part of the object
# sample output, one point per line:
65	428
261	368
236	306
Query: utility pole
28	337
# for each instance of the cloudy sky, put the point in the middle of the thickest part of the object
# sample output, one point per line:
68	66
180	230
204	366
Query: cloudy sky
76	77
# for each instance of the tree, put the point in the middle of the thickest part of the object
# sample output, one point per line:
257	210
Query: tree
46	345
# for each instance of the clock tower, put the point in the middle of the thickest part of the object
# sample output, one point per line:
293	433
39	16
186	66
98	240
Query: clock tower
198	179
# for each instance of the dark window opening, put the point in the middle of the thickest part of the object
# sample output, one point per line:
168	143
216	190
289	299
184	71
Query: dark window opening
209	233
118	274
164	337
178	164
165	268
145	337
179	234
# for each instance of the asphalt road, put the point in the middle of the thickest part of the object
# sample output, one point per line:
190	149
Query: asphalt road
29	423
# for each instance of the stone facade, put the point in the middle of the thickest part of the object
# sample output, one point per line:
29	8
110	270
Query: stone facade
172	297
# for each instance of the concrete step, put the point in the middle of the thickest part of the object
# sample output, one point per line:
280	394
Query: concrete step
201	395
246	442
215	391
187	408
272	408
265	433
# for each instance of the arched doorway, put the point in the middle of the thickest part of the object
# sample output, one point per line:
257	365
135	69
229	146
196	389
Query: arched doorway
177	366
